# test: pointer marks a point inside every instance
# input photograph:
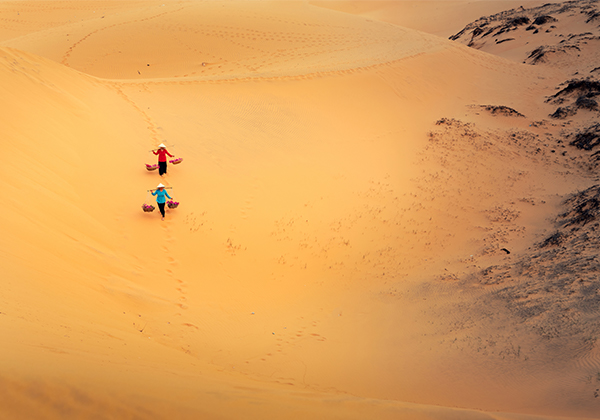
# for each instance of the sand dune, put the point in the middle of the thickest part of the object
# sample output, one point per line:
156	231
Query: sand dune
355	198
188	40
439	17
558	35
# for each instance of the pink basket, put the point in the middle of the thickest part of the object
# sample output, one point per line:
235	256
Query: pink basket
151	167
176	161
148	208
172	204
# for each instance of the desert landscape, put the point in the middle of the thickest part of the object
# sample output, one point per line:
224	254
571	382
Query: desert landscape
388	210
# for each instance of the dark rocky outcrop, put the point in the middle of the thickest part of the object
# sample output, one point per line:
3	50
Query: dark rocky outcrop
581	92
563	112
588	88
588	138
502	110
542	20
583	208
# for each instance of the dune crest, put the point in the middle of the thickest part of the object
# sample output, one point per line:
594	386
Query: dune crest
438	17
186	40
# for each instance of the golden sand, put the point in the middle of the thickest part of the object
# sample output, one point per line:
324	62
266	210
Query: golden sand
318	264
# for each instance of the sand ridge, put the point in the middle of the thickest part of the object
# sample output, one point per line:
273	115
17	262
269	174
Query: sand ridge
290	38
433	17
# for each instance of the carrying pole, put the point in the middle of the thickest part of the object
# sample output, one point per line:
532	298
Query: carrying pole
159	148
166	188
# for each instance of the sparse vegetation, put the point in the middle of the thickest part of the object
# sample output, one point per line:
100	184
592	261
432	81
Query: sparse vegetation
502	110
588	138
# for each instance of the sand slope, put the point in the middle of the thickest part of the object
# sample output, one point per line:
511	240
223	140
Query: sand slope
557	35
316	266
441	17
186	40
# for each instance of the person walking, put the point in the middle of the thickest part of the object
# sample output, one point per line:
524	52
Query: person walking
161	199
162	153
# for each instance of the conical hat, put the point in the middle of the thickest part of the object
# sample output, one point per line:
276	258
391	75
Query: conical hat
162	146
160	186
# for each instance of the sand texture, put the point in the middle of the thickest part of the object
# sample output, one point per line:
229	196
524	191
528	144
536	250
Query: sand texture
375	221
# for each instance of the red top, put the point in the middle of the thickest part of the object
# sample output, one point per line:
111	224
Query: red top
162	154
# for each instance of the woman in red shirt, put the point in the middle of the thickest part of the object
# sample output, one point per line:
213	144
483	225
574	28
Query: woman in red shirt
162	158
